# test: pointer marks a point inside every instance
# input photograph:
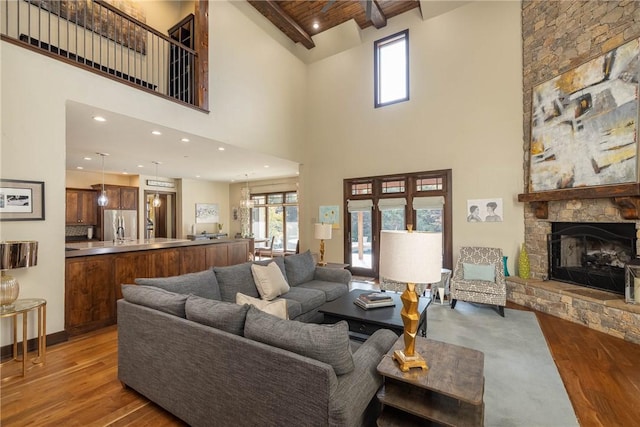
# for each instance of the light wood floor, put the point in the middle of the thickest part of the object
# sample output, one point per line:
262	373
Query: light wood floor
78	385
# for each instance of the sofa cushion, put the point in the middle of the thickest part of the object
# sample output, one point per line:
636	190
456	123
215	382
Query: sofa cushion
300	268
202	283
326	343
479	272
332	290
276	307
269	280
234	279
294	308
156	298
308	298
225	316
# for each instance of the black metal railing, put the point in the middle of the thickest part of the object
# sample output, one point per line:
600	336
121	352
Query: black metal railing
95	35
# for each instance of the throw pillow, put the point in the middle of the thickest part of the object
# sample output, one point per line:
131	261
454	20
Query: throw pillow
276	308
236	278
202	283
326	343
485	272
156	298
269	280
225	316
300	268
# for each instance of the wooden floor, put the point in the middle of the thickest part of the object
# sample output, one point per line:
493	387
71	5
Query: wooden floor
78	385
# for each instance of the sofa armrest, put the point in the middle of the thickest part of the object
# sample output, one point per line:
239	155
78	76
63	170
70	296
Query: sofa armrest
357	388
338	275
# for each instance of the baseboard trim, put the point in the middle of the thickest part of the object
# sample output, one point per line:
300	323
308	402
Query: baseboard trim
6	352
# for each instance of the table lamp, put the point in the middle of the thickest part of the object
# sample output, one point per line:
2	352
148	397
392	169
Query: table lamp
14	254
410	257
322	231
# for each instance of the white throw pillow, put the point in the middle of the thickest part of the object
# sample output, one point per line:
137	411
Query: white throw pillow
277	307
269	280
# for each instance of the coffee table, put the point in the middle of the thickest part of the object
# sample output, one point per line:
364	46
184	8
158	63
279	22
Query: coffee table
450	393
363	323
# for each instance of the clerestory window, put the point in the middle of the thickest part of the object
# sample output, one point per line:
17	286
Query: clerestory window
391	69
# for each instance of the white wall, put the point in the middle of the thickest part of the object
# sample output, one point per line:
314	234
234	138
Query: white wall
261	110
194	191
465	114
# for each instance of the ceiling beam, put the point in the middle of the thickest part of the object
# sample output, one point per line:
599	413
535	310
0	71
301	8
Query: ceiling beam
270	8
375	15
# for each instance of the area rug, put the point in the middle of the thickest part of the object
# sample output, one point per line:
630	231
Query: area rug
522	385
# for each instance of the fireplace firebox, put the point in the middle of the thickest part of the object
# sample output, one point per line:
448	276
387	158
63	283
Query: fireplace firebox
591	254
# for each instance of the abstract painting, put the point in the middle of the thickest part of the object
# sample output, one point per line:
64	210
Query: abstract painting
584	124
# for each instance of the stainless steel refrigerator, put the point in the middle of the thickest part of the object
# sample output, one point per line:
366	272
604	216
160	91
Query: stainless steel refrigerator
114	218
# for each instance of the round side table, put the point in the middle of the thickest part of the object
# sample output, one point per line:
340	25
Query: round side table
22	307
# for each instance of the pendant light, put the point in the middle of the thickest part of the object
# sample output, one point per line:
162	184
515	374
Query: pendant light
103	199
156	199
245	196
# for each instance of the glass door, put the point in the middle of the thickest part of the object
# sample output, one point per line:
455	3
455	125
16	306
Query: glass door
361	232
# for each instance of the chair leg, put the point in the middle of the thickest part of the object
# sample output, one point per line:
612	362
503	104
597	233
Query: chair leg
453	303
501	310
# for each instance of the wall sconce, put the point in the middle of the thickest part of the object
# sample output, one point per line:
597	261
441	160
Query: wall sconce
14	254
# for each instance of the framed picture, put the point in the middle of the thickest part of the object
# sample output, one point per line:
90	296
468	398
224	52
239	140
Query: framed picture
330	215
584	124
485	210
207	213
21	200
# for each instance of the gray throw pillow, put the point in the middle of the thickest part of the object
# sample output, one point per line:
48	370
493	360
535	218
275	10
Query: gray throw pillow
156	298
326	343
300	268
225	316
234	279
203	283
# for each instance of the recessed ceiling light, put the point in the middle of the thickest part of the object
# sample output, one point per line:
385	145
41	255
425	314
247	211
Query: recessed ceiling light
79	167
316	25
185	140
197	176
266	166
87	158
125	173
156	132
140	166
220	148
99	119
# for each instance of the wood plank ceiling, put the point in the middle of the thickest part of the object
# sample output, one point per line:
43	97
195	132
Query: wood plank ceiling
296	18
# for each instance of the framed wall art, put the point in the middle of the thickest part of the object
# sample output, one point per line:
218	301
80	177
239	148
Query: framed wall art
584	124
330	215
21	200
207	213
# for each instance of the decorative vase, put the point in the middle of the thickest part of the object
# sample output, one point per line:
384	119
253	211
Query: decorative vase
504	262
524	268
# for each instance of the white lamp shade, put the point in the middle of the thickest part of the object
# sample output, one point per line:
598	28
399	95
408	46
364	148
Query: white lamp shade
410	257
322	231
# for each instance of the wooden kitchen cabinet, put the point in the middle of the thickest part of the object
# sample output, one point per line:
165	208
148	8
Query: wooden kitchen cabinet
81	207
120	197
90	301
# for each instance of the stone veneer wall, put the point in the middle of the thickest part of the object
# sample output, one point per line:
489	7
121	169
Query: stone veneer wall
558	36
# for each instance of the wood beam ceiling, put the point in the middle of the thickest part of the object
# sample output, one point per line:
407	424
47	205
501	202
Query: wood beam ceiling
275	14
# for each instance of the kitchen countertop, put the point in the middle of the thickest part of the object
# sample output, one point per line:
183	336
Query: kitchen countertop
79	249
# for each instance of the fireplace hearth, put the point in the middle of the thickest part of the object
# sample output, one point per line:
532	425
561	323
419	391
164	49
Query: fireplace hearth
591	254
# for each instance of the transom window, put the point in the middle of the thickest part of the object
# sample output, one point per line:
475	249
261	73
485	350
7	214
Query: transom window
361	188
395	186
391	69
428	184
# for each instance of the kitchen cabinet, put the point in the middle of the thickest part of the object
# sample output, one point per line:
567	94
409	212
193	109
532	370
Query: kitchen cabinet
81	207
90	301
120	197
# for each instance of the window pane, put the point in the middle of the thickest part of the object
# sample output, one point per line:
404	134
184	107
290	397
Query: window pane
258	200
428	184
429	220
275	199
291	216
361	233
291	197
391	64
259	225
362	188
396	186
392	219
275	226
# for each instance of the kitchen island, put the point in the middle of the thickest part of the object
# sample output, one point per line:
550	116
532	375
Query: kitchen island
95	271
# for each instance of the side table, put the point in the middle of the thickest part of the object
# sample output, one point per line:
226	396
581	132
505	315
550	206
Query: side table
450	392
22	307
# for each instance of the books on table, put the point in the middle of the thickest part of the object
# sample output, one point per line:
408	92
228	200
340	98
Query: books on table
374	300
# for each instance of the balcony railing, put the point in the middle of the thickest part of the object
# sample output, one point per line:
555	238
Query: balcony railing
96	36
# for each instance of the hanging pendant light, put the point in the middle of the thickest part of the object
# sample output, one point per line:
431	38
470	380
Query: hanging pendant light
245	196
103	200
156	199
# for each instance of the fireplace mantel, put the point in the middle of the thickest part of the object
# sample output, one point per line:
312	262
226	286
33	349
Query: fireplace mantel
626	196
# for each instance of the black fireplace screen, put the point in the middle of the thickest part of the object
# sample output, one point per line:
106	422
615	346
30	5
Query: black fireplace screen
591	254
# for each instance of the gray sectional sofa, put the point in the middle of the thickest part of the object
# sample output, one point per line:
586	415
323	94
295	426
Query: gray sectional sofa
186	345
